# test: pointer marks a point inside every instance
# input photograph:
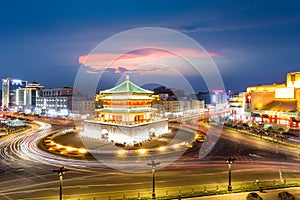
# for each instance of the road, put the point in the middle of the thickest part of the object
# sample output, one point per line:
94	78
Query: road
27	170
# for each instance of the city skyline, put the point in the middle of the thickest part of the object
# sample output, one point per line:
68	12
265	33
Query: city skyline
150	99
43	42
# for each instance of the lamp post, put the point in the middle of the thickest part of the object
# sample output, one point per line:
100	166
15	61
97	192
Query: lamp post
61	171
153	164
230	160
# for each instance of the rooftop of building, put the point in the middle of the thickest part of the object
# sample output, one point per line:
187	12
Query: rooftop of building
262	88
282	106
126	87
293	73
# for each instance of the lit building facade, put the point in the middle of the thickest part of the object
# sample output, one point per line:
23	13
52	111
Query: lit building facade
215	97
219	97
9	88
170	106
277	103
54	100
26	97
83	107
126	116
237	106
177	108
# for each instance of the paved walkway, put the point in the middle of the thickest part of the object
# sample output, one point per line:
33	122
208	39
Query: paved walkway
74	140
266	195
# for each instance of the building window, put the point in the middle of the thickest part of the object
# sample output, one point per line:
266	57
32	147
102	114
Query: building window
293	77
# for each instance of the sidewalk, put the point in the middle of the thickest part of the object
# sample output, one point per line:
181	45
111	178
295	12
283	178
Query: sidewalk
287	141
266	195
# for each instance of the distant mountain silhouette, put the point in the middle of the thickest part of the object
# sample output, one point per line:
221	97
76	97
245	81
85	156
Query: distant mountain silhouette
151	86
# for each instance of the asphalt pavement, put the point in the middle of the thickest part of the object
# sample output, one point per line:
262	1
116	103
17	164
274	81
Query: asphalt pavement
27	170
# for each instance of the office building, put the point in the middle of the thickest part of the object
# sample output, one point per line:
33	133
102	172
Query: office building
55	100
9	88
26	97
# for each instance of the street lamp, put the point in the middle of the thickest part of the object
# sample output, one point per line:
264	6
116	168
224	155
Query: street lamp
153	164
230	160
61	171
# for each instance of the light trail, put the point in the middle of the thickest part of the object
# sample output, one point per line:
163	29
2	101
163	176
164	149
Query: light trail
21	152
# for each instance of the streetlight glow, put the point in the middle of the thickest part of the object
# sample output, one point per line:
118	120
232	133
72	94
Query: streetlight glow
70	148
142	151
121	152
162	148
82	151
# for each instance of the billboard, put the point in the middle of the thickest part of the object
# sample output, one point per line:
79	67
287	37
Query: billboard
285	93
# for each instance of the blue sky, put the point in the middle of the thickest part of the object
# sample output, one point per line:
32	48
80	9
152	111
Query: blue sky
42	40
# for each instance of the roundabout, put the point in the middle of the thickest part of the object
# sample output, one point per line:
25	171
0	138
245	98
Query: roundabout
69	143
29	168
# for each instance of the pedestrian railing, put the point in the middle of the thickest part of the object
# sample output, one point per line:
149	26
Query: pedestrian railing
177	192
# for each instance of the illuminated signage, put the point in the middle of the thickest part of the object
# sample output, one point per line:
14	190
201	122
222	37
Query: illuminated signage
218	91
285	93
16	82
248	98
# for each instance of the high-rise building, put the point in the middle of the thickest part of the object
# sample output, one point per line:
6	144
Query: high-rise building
219	97
26	97
204	96
9	87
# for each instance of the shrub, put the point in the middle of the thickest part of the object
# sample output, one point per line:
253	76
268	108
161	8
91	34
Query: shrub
253	196
285	196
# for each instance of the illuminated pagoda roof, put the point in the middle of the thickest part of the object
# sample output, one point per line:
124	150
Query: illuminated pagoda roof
127	87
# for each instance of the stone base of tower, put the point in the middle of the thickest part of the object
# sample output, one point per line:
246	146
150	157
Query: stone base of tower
124	134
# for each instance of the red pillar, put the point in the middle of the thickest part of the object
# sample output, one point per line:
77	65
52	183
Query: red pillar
233	114
270	119
291	122
275	119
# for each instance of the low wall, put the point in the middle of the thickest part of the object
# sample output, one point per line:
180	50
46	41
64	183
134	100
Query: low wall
122	133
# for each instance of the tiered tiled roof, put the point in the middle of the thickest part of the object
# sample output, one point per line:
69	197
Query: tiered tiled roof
127	87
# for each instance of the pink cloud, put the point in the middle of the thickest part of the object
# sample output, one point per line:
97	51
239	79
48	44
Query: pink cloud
186	52
140	58
106	57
